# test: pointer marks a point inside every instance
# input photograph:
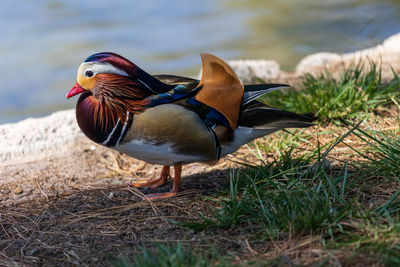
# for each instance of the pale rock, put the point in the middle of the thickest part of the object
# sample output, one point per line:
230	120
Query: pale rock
386	55
392	43
30	137
250	70
316	62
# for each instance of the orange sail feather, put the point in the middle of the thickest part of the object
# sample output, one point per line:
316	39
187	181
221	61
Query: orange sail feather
221	88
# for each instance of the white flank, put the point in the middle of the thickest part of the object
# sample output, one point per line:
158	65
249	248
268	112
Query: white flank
162	154
243	135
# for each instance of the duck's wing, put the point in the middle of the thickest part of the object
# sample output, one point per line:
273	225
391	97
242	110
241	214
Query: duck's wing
189	83
260	116
254	91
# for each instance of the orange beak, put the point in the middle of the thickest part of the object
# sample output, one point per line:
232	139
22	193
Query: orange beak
77	89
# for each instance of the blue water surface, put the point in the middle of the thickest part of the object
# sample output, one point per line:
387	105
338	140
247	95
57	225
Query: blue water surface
43	42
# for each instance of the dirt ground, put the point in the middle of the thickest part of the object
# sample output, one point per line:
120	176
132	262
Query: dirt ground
77	208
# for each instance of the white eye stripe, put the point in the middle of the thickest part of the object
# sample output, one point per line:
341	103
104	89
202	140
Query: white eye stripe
97	68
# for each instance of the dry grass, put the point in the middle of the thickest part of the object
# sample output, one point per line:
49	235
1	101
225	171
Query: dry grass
78	209
94	223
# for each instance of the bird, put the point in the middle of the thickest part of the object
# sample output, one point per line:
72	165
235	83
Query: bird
173	120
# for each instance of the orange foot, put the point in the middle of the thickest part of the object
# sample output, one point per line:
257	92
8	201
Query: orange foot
176	188
165	175
163	195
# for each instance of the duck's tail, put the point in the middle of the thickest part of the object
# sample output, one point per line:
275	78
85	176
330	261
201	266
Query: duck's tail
257	115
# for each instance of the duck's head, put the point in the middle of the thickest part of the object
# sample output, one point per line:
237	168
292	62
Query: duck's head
112	87
100	67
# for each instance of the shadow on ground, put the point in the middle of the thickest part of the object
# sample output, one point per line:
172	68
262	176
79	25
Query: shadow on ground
88	226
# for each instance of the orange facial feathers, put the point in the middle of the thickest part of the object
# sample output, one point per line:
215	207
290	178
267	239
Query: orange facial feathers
222	89
119	94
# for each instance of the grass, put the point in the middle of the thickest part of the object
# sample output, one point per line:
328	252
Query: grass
379	237
167	255
295	195
280	142
303	196
329	197
358	91
383	153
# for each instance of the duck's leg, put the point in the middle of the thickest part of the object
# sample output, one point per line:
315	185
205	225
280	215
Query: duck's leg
164	176
176	188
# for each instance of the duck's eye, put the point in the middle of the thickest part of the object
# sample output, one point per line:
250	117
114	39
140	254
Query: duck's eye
89	73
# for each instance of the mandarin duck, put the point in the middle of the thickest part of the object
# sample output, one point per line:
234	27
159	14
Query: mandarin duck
172	120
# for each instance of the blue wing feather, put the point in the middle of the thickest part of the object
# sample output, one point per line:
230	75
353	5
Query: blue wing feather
183	96
177	93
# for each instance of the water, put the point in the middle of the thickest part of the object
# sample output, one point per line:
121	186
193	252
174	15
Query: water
43	42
